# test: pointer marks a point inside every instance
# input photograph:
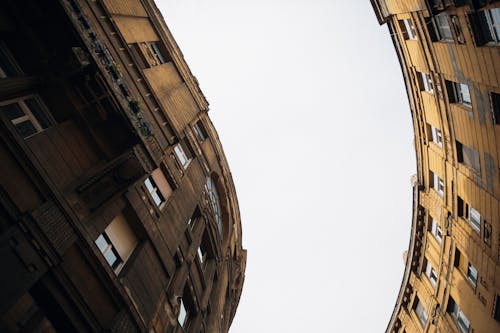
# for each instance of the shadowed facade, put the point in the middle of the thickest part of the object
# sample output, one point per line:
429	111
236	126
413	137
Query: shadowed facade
118	212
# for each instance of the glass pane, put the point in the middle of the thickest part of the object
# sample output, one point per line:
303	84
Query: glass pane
157	199
110	257
12	111
149	185
182	313
26	128
180	155
464	90
37	111
101	243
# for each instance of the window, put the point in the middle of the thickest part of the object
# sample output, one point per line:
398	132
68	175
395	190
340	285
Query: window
182	155
495	106
461	320
468	156
436	230
425	82
108	251
214	203
457	29
436	183
486	26
408	29
459	93
8	64
117	242
154	191
199	131
430	273
436	135
470	214
200	254
157	53
496	314
28	115
442	28
472	274
183	314
420	311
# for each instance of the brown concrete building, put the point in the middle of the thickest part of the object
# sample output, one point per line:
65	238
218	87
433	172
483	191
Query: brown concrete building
117	208
450	57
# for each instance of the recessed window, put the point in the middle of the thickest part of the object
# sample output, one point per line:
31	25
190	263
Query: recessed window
425	82
495	107
420	311
436	183
468	156
214	203
436	230
470	214
459	93
456	313
183	314
28	115
442	27
117	242
436	135
472	274
182	155
199	131
157	53
486	26
430	273
496	314
154	191
408	29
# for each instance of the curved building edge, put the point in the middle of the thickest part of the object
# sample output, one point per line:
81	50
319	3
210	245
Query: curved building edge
118	210
449	52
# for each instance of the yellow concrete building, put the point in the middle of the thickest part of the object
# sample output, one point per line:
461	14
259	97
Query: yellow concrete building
450	57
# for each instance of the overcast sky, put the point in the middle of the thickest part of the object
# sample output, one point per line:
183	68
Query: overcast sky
309	102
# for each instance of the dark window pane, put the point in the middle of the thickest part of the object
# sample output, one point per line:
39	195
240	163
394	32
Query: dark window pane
37	111
12	111
26	128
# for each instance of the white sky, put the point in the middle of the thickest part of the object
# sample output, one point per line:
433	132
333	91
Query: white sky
309	103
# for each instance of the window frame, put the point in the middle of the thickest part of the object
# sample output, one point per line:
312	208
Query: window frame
182	157
155	191
458	315
436	230
431	274
442	27
420	311
36	123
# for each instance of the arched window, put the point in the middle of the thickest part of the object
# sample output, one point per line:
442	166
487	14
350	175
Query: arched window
214	203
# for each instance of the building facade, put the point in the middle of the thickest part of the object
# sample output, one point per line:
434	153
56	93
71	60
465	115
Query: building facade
118	212
450	58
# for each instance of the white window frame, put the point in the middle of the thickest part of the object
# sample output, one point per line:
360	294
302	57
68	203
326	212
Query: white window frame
410	29
472	274
443	27
181	155
428	85
438	184
437	136
421	313
436	230
431	273
461	319
474	218
493	26
462	94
